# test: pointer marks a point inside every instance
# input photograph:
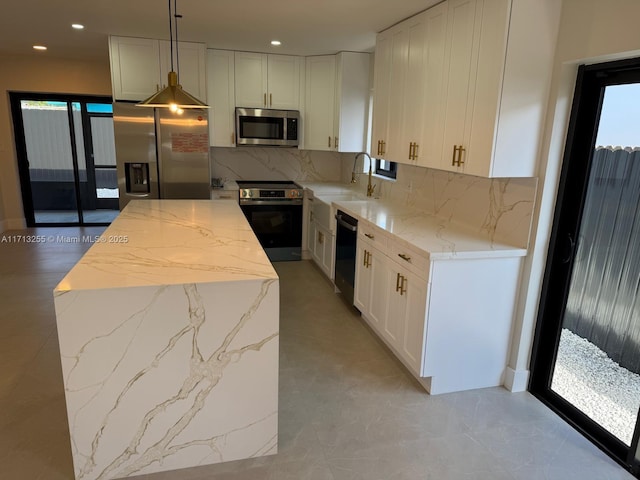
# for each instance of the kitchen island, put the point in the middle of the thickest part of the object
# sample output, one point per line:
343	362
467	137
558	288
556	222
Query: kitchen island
168	330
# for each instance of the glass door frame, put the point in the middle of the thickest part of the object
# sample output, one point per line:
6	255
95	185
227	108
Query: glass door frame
580	145
16	98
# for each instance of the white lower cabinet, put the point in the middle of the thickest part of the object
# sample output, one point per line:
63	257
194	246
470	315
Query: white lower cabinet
320	243
407	305
449	321
322	252
371	294
391	297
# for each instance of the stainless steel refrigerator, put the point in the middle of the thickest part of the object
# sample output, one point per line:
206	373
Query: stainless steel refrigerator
161	154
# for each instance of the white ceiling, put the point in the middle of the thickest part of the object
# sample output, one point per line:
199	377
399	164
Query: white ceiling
305	27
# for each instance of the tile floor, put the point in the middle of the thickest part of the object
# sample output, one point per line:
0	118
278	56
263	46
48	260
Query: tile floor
348	409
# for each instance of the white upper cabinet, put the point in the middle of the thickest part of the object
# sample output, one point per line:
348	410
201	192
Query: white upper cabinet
267	81
190	64
381	94
320	88
283	74
135	67
220	94
336	102
485	71
353	90
434	95
139	67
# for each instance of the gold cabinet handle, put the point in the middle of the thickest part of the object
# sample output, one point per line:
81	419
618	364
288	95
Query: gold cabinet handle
368	259
364	259
384	145
329	141
404	257
398	276
411	151
415	151
335	142
265	100
403	284
457	149
368	235
271	99
379	146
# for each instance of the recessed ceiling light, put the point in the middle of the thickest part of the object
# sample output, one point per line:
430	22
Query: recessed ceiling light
39	47
77	26
276	43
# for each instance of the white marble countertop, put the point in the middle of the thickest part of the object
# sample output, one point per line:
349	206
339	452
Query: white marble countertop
436	237
169	242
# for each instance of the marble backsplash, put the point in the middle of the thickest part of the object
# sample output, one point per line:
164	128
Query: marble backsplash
263	163
500	208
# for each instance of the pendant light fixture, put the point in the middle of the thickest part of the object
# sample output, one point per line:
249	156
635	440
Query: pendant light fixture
173	96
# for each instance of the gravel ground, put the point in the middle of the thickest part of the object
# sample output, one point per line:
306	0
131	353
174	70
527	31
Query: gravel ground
585	376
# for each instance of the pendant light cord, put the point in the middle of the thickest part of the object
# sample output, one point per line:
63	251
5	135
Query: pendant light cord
170	35
176	17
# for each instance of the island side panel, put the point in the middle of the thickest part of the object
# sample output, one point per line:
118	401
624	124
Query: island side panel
167	377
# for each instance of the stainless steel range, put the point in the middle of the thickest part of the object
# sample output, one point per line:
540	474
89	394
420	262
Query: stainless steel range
274	211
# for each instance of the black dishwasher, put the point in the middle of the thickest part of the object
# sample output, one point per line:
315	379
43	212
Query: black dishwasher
346	237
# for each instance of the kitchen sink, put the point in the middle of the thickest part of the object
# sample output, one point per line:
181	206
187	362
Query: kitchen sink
323	212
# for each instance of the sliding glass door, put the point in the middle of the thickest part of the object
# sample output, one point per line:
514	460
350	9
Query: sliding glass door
586	361
66	158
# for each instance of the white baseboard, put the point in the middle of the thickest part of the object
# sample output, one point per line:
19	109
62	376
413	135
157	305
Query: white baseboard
516	381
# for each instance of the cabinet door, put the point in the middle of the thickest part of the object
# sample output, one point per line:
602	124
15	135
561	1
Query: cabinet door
380	293
395	150
251	79
319	100
311	238
461	66
405	326
371	295
413	95
353	91
362	289
135	68
516	112
190	64
221	98
414	329
381	94
430	149
283	82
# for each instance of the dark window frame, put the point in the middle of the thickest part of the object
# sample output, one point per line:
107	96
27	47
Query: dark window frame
390	172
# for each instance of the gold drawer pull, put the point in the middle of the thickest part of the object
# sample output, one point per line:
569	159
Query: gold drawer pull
404	257
368	235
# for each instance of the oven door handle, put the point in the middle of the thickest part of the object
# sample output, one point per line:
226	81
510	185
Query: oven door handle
346	225
285	202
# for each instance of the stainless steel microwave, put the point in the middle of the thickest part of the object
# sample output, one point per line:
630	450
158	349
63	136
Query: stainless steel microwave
267	127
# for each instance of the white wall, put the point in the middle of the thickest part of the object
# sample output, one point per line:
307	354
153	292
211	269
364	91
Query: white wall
591	31
37	73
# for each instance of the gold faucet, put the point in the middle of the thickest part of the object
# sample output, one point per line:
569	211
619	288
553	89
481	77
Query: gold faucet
370	188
